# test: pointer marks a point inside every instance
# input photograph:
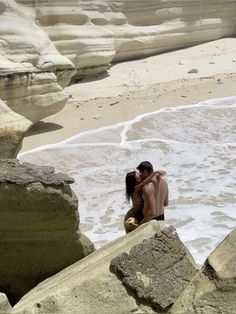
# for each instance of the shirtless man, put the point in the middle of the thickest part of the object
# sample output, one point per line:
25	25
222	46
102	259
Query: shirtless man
154	195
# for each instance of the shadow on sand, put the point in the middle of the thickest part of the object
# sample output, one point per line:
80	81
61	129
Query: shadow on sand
43	127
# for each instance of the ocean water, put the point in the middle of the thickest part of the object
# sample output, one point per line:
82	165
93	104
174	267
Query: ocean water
195	145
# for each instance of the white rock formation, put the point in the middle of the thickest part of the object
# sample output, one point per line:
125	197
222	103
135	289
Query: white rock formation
28	64
24	45
94	33
32	95
49	42
12	130
5	306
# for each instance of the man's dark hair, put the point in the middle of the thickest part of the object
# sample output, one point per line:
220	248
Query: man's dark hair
145	165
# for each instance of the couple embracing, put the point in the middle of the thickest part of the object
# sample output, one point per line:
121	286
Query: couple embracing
149	194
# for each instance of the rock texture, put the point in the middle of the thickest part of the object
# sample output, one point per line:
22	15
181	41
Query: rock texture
213	289
38	226
32	95
89	286
12	130
29	64
157	270
91	34
142	272
5	306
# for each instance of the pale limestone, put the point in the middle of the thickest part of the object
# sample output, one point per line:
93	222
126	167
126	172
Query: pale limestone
12	130
31	68
94	33
32	95
5	306
89	286
213	289
90	34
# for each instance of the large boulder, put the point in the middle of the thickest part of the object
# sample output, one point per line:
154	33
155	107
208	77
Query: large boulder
39	226
12	130
213	289
90	286
156	270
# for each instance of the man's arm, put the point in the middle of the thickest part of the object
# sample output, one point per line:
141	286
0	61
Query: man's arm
149	210
166	201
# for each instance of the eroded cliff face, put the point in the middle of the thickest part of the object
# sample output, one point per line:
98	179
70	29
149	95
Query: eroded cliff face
94	33
32	73
43	44
53	35
12	130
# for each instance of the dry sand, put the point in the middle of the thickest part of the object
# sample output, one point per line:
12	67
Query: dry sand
134	87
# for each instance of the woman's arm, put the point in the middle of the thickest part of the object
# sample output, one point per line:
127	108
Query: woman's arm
157	173
130	222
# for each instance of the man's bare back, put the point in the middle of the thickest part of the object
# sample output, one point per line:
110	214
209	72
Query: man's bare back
155	196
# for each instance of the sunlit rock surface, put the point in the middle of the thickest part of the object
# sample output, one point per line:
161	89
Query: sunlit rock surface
12	130
213	289
90	286
94	33
32	95
90	34
29	64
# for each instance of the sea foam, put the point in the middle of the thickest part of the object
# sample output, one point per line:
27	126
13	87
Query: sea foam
195	144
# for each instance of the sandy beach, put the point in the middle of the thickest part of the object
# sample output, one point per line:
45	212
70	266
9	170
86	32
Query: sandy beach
131	88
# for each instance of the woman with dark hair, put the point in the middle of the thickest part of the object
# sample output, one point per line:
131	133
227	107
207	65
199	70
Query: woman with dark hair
134	187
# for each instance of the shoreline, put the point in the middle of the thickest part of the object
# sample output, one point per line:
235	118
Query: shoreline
135	87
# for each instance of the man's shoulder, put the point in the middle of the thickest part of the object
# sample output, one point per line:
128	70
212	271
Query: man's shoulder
148	187
164	182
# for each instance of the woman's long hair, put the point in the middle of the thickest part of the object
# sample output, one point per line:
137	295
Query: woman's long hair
130	182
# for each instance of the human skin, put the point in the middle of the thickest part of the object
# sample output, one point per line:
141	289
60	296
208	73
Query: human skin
155	196
131	224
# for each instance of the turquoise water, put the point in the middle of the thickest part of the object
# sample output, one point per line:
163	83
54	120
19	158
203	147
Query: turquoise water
195	144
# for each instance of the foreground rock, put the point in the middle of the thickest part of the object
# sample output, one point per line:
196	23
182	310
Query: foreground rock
12	130
38	226
213	289
89	286
5	306
157	270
